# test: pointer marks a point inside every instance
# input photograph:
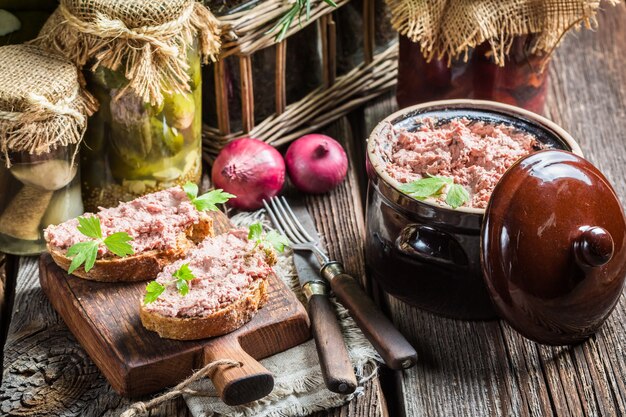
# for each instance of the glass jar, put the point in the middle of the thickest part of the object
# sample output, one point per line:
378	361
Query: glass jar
522	81
134	148
38	190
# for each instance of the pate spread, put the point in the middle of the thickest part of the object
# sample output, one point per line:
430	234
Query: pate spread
473	153
224	266
154	221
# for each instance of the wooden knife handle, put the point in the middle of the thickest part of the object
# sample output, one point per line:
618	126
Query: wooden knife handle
336	366
238	385
386	339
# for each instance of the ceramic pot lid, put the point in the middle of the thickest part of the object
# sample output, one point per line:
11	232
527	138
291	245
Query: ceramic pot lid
553	247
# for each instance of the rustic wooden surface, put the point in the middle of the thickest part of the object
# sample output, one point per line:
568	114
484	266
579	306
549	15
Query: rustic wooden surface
486	368
465	368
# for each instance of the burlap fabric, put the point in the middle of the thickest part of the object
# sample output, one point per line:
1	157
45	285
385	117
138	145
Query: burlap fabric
148	39
42	104
451	28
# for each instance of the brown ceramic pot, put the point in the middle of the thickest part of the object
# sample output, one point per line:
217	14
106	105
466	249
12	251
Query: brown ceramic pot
429	255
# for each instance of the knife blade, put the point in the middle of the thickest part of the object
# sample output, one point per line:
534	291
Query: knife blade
392	346
337	369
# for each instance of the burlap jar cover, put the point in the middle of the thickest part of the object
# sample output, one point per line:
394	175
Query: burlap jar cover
147	38
450	28
43	116
42	104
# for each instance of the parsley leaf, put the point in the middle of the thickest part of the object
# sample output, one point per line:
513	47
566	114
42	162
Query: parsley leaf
182	276
118	244
457	196
207	201
277	240
153	291
90	227
272	238
83	252
425	187
191	189
255	232
87	252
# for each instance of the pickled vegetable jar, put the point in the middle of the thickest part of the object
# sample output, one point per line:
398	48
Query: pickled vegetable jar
37	191
143	66
133	147
522	81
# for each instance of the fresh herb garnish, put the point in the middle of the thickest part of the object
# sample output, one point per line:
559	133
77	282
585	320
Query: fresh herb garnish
181	276
426	187
153	291
433	186
87	252
298	9
272	238
207	201
457	196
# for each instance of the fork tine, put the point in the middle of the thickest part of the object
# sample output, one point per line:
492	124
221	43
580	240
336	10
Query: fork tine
275	221
286	229
287	217
299	225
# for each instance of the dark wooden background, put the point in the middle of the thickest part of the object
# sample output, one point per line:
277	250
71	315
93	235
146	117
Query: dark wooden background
465	368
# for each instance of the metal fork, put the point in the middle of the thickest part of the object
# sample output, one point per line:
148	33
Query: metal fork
394	349
288	224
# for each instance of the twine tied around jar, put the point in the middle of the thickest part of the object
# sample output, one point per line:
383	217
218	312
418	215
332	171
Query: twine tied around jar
141	408
42	104
116	35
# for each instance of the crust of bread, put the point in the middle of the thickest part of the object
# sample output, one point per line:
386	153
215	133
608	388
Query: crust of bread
218	323
141	267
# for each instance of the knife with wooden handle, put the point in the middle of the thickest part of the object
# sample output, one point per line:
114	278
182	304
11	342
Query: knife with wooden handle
390	344
394	349
337	369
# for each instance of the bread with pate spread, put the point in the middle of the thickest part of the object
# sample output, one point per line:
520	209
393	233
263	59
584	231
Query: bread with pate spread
164	226
226	283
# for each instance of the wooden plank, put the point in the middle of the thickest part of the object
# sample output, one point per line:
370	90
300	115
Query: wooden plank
486	368
340	222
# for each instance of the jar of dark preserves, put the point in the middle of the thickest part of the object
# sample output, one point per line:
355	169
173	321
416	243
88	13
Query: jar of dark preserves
522	80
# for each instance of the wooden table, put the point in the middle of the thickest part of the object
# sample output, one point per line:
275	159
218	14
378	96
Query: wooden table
465	368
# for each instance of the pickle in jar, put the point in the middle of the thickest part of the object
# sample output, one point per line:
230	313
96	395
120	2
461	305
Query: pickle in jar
179	110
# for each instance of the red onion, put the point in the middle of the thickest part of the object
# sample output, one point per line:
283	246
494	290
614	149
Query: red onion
250	169
316	163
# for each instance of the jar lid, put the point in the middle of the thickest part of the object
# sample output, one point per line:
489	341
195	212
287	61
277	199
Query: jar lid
553	247
27	70
42	104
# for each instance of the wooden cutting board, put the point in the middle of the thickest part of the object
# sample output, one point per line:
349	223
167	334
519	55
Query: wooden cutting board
104	317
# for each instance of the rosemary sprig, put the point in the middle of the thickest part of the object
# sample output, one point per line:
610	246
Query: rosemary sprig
298	9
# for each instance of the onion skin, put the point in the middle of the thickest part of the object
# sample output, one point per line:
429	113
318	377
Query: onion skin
316	163
250	169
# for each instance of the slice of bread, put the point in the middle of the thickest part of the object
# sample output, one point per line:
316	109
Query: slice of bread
219	265
222	321
141	267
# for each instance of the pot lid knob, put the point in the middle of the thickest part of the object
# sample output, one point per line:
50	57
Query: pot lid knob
594	247
553	247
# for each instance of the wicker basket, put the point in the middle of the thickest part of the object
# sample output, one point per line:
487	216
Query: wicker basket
247	32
